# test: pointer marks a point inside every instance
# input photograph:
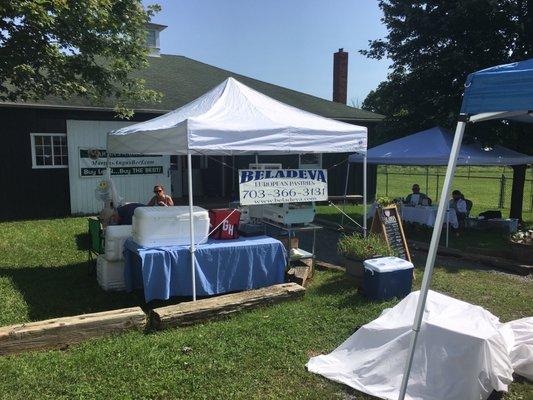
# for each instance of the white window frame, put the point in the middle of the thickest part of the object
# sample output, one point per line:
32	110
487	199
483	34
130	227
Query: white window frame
33	155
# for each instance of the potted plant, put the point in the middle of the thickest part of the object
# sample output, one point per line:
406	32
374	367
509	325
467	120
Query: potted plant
384	201
522	246
355	249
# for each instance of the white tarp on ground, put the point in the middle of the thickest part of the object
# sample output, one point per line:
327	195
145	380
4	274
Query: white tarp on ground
463	352
521	350
235	119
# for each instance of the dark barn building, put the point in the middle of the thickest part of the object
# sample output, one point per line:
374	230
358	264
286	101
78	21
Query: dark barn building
42	143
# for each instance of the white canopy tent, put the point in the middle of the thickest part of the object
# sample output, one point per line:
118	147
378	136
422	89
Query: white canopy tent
233	119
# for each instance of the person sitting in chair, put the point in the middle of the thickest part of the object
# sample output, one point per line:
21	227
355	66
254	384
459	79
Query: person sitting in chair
160	198
460	205
417	198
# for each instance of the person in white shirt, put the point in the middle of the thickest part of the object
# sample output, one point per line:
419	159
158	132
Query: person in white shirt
458	203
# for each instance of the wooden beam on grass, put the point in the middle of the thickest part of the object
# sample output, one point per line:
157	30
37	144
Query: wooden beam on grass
215	307
502	263
62	332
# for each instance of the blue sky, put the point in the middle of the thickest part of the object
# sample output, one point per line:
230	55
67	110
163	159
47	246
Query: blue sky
286	42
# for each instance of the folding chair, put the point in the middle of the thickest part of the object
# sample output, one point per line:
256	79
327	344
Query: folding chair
97	242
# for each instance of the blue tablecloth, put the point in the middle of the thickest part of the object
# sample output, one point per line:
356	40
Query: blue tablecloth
221	266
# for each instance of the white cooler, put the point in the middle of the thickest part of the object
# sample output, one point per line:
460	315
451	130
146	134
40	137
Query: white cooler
169	226
115	236
110	274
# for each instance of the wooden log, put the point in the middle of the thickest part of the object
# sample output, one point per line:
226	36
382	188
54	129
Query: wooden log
189	313
502	263
299	273
322	265
62	332
489	252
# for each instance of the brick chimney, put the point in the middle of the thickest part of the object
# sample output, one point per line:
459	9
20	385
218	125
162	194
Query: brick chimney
340	76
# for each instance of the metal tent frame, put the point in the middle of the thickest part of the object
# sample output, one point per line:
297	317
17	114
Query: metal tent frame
488	96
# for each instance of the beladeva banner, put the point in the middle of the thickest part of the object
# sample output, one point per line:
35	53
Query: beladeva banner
270	186
93	162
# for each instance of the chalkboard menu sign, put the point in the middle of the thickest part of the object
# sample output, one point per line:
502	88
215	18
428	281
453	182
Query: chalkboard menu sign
388	223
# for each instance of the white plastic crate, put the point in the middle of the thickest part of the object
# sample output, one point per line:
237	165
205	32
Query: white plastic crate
115	236
110	274
168	226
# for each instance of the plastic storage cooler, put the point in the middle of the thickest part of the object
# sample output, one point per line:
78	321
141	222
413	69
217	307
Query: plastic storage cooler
169	226
110	274
115	236
229	229
387	277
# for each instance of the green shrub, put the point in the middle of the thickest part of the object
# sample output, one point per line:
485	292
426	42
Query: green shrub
358	247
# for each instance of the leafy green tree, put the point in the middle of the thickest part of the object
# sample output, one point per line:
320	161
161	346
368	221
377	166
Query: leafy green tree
433	46
65	48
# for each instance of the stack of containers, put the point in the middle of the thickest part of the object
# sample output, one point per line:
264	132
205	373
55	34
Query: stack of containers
110	265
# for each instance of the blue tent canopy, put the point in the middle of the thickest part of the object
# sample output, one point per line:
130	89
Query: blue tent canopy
433	147
506	89
500	92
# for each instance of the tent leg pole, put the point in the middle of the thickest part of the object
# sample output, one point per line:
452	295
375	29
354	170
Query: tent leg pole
345	191
191	225
364	195
447	227
427	179
432	254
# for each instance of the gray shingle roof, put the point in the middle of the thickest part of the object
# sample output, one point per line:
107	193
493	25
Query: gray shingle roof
182	80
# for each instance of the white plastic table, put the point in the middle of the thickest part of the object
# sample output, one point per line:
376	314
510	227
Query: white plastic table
426	215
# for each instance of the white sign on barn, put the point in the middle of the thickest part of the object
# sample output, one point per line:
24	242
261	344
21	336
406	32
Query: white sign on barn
132	187
272	186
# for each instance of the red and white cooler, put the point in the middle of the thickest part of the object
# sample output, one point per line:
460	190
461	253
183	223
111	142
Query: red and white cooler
229	229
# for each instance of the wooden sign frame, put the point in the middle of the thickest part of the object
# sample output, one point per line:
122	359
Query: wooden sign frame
378	227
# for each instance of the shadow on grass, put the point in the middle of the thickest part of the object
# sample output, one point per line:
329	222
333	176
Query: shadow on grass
83	241
345	286
52	292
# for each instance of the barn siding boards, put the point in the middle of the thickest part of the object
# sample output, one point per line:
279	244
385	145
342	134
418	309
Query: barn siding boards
132	188
40	193
36	193
27	192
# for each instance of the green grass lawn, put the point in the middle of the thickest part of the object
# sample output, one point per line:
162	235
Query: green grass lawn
44	272
253	355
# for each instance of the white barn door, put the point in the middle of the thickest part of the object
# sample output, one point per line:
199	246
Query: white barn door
138	187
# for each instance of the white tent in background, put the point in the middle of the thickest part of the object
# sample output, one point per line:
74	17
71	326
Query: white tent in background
235	119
